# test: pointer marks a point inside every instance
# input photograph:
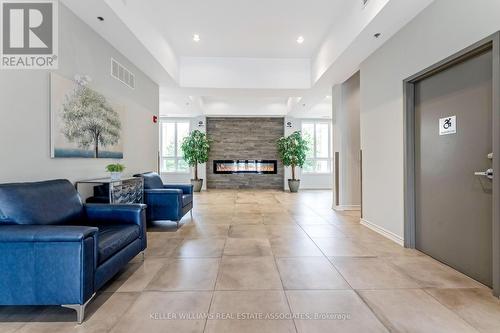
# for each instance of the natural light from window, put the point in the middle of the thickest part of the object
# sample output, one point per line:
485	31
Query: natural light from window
172	132
319	154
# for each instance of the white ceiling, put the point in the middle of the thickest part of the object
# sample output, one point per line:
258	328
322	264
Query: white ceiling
248	61
243	28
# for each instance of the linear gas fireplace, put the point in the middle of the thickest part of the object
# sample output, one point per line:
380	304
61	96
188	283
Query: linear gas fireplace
246	166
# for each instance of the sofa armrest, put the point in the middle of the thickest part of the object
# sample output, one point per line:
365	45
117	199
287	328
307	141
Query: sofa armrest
186	188
103	214
47	264
160	197
163	204
45	233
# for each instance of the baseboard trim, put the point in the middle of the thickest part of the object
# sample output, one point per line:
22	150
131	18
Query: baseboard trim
384	232
341	208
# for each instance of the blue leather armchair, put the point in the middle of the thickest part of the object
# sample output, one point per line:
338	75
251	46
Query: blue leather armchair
57	251
166	202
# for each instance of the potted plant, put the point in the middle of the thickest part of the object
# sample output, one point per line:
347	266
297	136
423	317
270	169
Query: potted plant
195	148
292	151
115	170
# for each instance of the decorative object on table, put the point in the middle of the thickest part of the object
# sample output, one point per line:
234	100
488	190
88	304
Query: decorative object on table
123	191
195	148
292	151
115	170
83	122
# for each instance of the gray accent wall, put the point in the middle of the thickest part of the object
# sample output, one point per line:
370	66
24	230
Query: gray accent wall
348	119
25	110
430	37
244	138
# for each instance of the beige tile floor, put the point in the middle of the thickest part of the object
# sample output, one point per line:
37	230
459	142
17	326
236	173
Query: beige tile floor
269	261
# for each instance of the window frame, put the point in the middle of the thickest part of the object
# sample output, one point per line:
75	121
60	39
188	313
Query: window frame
315	157
175	157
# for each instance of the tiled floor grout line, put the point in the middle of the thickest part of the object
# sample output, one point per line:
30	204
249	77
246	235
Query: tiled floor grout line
449	309
354	290
343	277
327	258
219	270
377	316
285	295
284	291
209	308
124	312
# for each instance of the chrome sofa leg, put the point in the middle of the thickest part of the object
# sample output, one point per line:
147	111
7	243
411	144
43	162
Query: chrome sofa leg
143	256
191	211
79	308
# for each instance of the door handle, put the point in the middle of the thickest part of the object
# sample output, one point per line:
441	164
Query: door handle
488	173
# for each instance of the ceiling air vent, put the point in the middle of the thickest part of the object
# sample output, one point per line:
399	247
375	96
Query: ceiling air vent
364	3
122	74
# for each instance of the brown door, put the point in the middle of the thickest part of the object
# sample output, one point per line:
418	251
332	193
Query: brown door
453	138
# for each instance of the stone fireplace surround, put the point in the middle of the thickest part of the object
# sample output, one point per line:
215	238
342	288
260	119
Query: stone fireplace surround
244	138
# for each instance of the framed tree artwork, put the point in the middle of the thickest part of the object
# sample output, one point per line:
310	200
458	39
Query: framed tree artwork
84	123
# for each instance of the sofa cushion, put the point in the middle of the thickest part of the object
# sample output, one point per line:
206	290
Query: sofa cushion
45	203
113	238
187	199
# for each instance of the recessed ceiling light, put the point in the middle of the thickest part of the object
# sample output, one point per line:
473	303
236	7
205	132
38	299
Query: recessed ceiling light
300	39
100	18
196	38
377	35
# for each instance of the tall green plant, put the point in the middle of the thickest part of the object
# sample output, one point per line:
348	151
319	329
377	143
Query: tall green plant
292	151
195	148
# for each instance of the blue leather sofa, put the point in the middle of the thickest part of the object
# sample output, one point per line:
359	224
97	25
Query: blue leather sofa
56	251
166	202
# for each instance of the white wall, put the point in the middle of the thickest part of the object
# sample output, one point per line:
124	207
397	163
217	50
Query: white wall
342	33
245	106
245	73
24	110
144	31
185	178
307	181
443	28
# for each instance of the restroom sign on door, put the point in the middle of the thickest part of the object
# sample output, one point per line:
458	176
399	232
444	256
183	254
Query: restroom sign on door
448	125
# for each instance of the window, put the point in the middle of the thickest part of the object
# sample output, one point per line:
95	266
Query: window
172	132
318	158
